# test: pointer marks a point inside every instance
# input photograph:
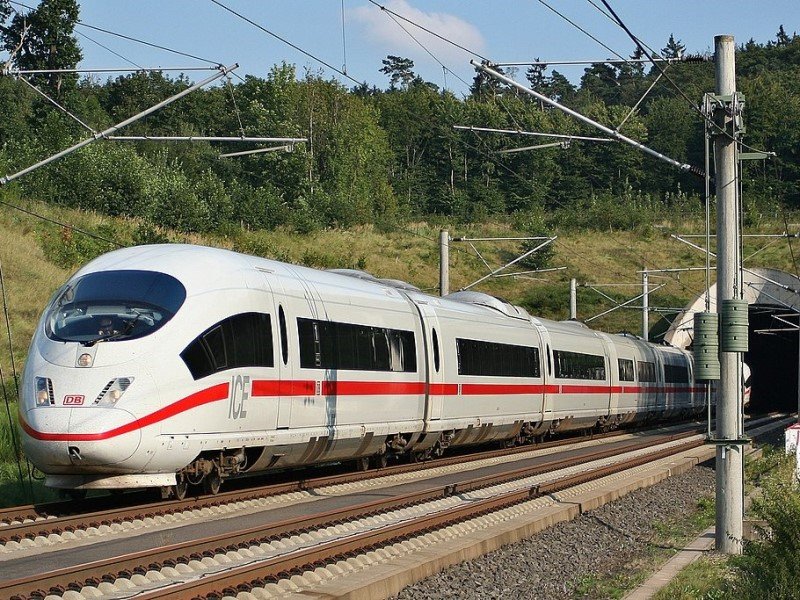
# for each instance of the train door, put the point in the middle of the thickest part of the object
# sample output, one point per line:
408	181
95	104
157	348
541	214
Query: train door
304	301
434	362
663	398
546	352
263	389
613	374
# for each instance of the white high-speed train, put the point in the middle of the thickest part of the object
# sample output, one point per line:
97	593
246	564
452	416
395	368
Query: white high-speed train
170	365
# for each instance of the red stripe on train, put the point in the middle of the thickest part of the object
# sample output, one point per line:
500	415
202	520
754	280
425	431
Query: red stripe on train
272	388
212	394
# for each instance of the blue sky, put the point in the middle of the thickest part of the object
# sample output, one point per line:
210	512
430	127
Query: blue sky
502	30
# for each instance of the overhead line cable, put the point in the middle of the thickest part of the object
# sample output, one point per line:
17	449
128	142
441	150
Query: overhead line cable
568	20
683	94
59	223
117	54
421	45
285	41
425	29
129	38
344	43
56	104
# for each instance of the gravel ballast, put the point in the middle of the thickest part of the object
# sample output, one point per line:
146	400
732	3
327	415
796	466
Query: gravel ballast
554	562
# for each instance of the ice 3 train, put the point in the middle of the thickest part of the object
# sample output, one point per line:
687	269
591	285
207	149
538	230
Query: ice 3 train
169	365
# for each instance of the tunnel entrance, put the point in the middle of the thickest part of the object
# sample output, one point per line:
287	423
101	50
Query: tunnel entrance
773	357
773	361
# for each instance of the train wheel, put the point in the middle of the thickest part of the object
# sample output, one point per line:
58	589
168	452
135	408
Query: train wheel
211	483
178	491
379	461
362	463
419	456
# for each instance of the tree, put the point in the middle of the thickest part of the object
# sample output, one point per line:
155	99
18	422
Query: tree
782	38
42	39
536	77
5	10
673	49
485	86
399	71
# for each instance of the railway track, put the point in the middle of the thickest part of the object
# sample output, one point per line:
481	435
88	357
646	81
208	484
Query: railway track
29	522
221	565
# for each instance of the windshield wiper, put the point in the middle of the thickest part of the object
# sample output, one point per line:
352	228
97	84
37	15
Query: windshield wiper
129	325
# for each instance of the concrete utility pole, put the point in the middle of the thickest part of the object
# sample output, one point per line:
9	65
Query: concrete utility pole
645	304
730	486
444	262
573	299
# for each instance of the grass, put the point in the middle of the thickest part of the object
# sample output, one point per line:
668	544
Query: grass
704	579
668	536
768	569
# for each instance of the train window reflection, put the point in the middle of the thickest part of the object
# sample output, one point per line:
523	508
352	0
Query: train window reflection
626	372
243	340
112	306
576	365
332	345
477	357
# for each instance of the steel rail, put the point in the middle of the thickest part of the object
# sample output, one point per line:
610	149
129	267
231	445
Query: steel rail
249	576
93	573
55	517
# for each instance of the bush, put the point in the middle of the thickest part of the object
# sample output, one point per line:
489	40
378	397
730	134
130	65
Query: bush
69	249
769	567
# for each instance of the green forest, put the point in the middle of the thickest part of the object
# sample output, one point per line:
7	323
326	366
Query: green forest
383	156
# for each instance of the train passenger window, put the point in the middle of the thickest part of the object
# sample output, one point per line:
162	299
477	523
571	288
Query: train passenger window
626	370
435	350
403	350
676	374
243	340
576	365
331	345
493	359
284	336
647	371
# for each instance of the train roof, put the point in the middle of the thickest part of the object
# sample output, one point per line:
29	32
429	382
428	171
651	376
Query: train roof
202	268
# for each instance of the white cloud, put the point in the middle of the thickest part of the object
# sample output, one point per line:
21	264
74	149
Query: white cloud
385	32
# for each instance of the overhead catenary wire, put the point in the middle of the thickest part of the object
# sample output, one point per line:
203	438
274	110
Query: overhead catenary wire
129	38
568	20
421	45
488	153
41	217
107	49
57	105
285	41
427	30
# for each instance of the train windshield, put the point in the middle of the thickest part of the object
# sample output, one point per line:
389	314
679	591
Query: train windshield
113	305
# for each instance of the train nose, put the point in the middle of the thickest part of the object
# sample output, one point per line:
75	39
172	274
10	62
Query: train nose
89	436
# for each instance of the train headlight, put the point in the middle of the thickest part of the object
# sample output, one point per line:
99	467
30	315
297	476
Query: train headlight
114	390
85	360
43	391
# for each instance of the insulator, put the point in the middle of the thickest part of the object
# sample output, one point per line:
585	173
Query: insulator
706	346
734	328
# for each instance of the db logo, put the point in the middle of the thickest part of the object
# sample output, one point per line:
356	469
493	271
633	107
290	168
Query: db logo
73	400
